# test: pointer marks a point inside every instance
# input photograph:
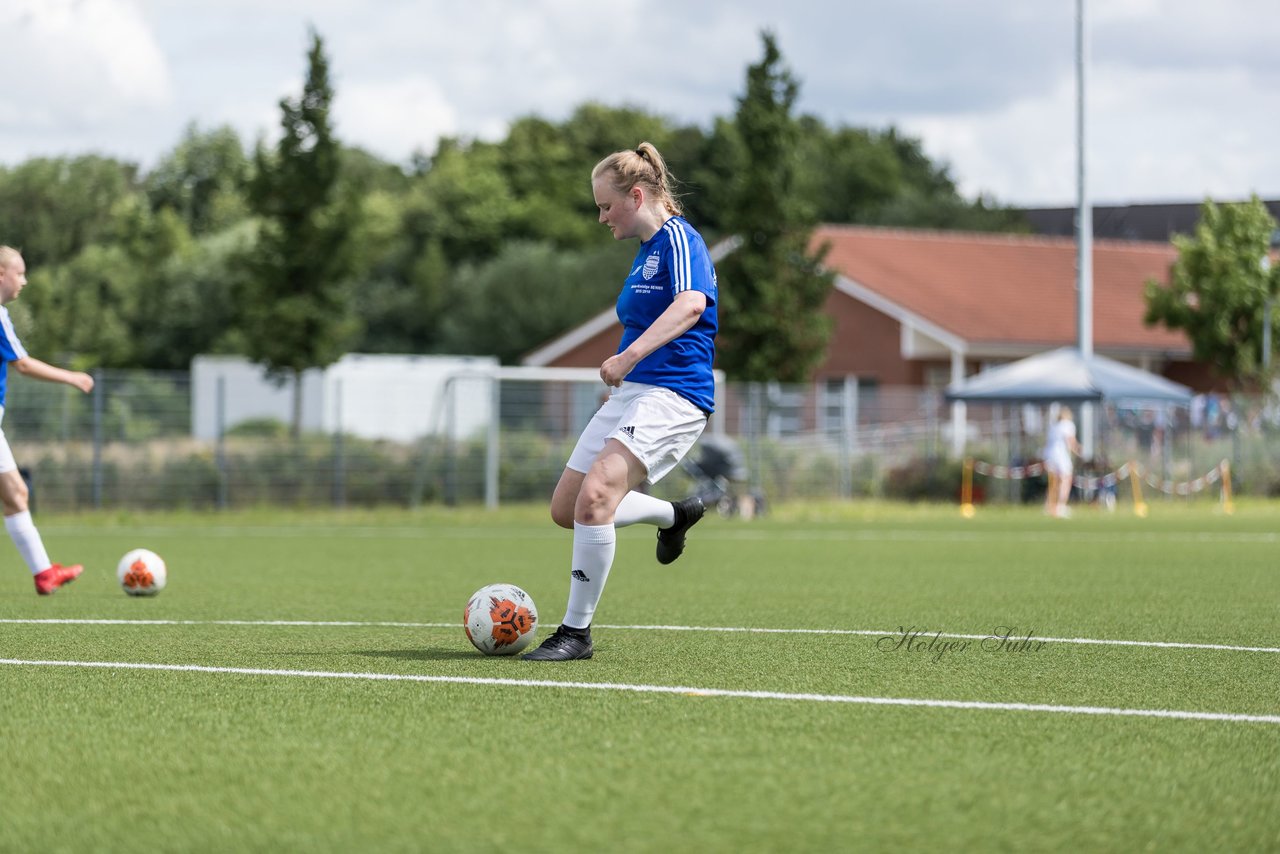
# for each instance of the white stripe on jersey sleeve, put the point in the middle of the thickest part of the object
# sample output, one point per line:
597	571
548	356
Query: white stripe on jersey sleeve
682	274
6	328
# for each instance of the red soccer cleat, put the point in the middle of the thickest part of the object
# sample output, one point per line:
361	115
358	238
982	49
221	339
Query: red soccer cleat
55	576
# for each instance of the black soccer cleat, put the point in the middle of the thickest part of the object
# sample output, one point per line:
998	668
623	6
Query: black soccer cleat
671	540
565	644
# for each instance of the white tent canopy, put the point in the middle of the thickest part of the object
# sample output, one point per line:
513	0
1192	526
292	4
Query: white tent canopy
1066	376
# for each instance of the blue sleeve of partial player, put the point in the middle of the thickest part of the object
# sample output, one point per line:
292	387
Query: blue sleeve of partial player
11	349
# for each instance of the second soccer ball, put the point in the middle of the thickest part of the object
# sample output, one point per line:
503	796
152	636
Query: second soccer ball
141	572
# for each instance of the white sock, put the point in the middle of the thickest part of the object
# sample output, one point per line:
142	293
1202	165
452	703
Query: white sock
638	507
25	536
593	547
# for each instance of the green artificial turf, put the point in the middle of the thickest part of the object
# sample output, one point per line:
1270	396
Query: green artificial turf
116	759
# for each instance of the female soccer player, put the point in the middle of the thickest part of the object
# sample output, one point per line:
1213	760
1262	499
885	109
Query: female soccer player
13	490
662	390
1059	447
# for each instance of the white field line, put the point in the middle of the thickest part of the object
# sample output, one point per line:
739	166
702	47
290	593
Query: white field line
665	689
896	634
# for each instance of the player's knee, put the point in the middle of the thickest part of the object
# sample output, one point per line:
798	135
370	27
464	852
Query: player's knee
595	505
14	499
594	516
562	516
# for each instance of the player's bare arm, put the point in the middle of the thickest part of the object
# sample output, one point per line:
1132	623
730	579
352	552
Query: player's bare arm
38	370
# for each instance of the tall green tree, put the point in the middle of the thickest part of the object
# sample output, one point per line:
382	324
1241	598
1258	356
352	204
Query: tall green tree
463	202
772	288
708	189
847	174
1219	288
203	180
529	294
99	307
295	308
78	313
52	208
402	278
186	303
544	171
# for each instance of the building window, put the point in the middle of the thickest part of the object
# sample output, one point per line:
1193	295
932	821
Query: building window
831	403
785	407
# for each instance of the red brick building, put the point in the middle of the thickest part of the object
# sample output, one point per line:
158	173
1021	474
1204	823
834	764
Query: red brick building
922	308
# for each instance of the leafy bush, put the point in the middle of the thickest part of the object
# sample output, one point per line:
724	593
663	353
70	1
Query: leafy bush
923	479
259	428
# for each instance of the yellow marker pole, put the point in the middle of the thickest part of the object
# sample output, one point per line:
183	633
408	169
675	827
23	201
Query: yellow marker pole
1139	506
966	489
1227	506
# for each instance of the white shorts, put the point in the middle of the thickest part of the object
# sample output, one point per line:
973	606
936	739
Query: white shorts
7	462
1060	467
656	424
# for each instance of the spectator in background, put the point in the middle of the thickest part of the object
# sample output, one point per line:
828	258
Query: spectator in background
1211	412
1059	446
1196	412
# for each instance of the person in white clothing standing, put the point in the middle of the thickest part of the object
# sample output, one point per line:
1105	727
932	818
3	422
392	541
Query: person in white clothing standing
13	490
1058	448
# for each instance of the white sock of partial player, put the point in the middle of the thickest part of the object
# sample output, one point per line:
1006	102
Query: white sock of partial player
638	507
25	536
593	547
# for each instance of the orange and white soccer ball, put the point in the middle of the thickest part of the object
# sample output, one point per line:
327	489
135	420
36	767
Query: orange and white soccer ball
500	619
141	573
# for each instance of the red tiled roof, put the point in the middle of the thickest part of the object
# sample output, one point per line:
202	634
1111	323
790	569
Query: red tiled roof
1006	289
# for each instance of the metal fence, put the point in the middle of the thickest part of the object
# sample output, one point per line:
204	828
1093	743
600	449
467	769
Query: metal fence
130	444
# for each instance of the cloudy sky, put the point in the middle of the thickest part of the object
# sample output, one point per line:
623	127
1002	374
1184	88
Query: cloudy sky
1183	97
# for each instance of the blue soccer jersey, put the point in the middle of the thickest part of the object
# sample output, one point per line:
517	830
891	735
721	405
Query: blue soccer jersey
674	260
11	349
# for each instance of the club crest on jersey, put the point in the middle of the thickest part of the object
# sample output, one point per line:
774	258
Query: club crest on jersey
650	267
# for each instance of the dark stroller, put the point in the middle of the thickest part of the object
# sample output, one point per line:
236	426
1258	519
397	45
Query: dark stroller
720	477
1105	489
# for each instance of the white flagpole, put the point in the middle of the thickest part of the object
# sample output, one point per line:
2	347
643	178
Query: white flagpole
1084	229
